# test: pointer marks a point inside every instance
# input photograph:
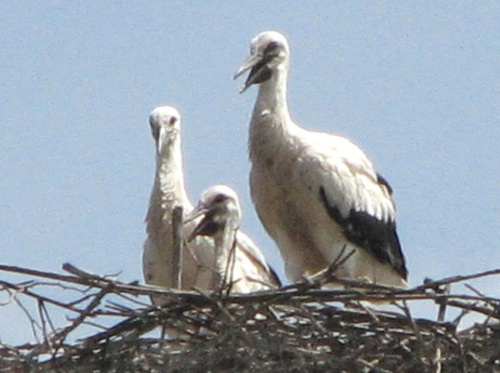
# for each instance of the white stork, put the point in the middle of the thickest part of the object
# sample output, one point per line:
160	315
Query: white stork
315	193
168	191
220	208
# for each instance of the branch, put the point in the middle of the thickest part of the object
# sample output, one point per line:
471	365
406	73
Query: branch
177	227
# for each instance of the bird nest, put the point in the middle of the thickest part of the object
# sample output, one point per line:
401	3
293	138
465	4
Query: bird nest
107	325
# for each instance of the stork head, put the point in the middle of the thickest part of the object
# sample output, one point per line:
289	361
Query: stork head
165	122
219	207
269	53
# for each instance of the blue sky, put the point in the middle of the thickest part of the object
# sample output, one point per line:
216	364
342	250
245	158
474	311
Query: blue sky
415	84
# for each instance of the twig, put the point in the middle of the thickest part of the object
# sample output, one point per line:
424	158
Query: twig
296	325
431	284
441	314
327	274
61	336
228	279
177	228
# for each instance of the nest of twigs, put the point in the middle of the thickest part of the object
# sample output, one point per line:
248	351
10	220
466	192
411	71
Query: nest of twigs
109	326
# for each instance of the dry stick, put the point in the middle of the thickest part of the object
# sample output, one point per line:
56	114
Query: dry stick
475	291
312	295
463	363
33	322
463	357
372	367
127	325
151	290
442	304
286	292
309	314
413	323
61	336
162	335
133	300
416	329
271	296
43	314
369	312
475	308
313	281
68	267
441	314
133	288
434	284
34	272
295	295
495	308
232	321
25	291
229	272
142	320
327	274
222	246
177	225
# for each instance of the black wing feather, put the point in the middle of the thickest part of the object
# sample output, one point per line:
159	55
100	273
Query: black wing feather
370	233
382	180
275	276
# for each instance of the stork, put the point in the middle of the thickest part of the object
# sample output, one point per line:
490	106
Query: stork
168	191
220	208
315	193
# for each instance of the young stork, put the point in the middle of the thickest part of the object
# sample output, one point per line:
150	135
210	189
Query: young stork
220	208
168	191
315	193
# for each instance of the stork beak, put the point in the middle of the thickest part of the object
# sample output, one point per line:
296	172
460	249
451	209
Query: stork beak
253	62
161	140
197	212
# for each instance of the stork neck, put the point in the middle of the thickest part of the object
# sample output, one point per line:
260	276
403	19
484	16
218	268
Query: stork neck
271	122
272	96
169	174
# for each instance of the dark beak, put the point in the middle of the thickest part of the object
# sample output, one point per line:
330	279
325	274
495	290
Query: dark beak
256	63
205	227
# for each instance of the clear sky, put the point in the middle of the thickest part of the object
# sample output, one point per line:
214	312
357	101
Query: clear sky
415	84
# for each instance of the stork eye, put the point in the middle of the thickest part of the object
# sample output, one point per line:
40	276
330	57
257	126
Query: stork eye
219	198
172	121
271	47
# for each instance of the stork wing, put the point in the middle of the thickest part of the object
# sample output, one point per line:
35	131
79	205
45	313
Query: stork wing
354	196
253	253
